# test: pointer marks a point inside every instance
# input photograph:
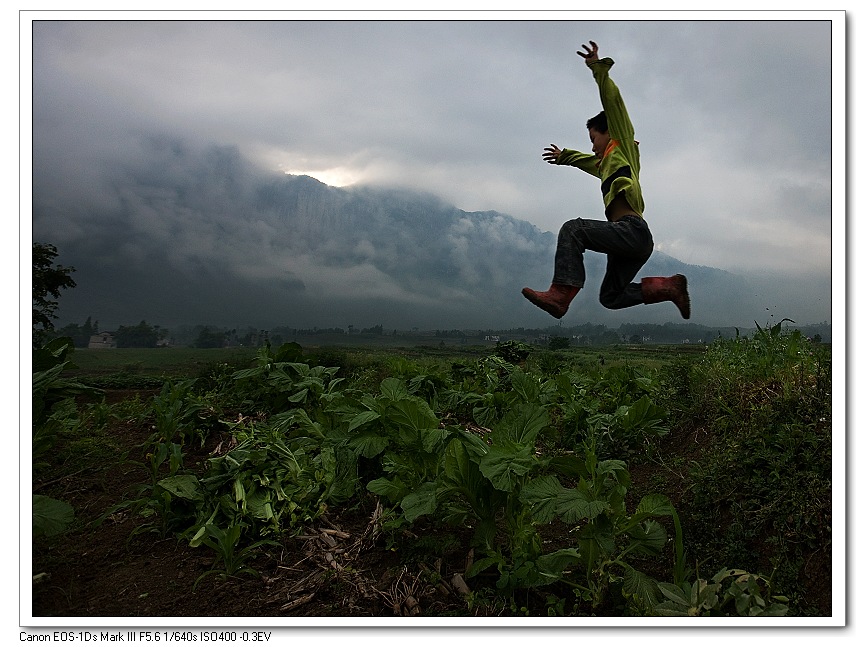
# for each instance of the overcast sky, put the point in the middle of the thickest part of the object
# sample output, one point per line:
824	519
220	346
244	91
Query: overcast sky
733	117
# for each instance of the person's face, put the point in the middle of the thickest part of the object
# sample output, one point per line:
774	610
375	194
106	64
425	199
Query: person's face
599	141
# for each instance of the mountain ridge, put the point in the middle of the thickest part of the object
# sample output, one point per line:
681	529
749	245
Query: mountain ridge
189	238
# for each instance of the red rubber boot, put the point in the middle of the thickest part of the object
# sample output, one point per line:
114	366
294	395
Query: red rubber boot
668	288
555	300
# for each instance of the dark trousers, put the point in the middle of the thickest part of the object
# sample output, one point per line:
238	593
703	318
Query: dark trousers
627	243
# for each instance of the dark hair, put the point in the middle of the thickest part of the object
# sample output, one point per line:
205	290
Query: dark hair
598	122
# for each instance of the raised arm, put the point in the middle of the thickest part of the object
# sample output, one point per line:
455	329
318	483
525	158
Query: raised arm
618	121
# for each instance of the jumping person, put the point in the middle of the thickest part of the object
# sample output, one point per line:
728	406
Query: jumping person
624	237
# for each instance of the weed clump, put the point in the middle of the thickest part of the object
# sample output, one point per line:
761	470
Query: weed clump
760	489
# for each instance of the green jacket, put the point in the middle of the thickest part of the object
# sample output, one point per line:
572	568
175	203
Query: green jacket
619	169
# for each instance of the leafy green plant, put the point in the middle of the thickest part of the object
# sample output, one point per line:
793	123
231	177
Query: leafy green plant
730	592
607	535
500	483
629	427
268	483
423	381
226	544
178	412
512	351
280	382
151	502
54	407
475	481
617	407
548	363
281	475
50	516
54	411
402	433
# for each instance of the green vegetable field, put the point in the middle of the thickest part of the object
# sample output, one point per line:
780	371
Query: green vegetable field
507	480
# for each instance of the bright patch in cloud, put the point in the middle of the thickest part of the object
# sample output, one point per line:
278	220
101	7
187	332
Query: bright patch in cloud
338	176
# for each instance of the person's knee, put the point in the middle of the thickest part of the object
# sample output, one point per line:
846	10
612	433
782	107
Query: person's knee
572	225
572	231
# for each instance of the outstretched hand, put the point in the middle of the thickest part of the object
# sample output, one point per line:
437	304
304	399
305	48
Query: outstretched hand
591	53
551	154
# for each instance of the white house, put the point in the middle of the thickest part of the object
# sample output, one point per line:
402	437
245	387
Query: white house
102	340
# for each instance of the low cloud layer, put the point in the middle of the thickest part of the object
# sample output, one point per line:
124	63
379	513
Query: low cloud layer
190	235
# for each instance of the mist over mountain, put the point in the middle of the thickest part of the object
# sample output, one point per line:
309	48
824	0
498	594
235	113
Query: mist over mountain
186	236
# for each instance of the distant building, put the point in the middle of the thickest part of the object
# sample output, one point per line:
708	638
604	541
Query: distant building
102	340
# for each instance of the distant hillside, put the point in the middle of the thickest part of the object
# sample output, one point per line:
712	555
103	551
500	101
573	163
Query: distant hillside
190	238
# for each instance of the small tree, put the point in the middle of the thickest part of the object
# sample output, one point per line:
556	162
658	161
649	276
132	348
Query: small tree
80	334
140	336
210	338
559	343
48	280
